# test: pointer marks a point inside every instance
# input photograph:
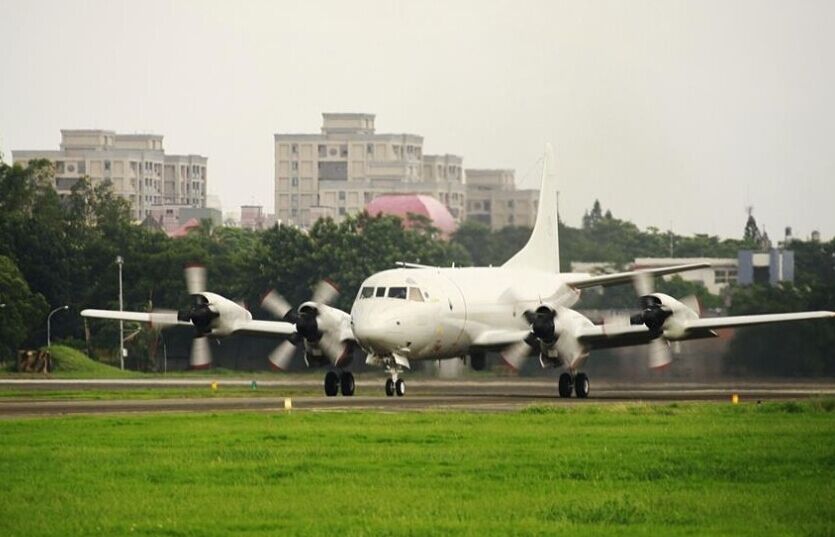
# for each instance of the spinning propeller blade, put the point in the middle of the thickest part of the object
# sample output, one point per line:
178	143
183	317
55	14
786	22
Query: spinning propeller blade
195	279
282	355
659	353
201	354
325	292
276	304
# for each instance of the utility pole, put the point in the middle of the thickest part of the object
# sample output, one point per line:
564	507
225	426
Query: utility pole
119	263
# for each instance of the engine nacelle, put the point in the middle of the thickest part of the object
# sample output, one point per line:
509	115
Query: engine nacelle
215	315
333	337
678	313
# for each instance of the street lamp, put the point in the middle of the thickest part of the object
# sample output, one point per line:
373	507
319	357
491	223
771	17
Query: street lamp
48	326
119	262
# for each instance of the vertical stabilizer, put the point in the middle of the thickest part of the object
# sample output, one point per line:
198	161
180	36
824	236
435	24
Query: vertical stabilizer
542	251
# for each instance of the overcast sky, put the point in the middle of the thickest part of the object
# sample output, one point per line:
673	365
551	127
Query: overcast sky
671	113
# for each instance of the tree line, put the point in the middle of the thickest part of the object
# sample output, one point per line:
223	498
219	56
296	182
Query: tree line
62	250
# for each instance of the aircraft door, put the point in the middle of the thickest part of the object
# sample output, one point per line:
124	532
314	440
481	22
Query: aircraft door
452	318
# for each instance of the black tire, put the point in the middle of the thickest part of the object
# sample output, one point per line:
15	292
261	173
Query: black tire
565	385
331	383
400	387
347	383
389	387
581	385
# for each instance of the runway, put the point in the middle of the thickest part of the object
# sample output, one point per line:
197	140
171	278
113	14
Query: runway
491	395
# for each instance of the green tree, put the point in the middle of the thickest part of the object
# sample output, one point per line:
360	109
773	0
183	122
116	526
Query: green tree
23	312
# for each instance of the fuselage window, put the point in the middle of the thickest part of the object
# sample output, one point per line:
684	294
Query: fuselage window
397	292
415	294
381	291
367	292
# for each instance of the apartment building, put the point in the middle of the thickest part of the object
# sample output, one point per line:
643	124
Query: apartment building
136	165
492	198
339	170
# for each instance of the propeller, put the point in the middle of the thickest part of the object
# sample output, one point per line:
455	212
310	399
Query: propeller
195	279
516	355
201	313
307	326
653	315
201	354
543	330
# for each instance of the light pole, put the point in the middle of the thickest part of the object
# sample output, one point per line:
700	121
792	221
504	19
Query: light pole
48	326
119	263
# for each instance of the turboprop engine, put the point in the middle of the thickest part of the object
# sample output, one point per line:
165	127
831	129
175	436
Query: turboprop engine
540	340
213	315
324	331
664	316
209	313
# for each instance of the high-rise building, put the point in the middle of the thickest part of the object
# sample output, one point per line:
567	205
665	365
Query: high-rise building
135	164
492	198
346	165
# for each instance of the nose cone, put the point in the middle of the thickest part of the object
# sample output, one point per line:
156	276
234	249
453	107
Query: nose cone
379	335
380	327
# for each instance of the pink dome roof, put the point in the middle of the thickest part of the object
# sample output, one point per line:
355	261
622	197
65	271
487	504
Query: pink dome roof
402	204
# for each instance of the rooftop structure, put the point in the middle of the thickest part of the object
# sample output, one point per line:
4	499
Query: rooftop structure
404	205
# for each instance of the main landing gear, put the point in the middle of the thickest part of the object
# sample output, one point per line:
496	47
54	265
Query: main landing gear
336	381
578	383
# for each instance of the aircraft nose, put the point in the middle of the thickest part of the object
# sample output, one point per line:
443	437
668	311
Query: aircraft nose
382	334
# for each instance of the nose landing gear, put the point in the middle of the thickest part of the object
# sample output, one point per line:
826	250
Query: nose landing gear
395	385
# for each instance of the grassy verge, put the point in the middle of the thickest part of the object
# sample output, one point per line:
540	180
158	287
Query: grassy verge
8	393
622	469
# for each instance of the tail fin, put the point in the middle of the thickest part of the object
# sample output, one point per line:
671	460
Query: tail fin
542	251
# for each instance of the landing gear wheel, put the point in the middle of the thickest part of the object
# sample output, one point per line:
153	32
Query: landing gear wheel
347	383
389	387
400	387
565	385
331	383
581	385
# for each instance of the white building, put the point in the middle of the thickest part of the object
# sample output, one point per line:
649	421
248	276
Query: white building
492	198
341	169
136	165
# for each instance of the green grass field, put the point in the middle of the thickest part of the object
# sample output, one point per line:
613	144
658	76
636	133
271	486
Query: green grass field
629	469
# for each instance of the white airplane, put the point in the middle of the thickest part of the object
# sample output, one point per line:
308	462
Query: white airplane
418	312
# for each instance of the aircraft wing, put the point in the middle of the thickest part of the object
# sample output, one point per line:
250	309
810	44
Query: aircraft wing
499	338
625	335
264	328
628	277
602	336
749	320
161	318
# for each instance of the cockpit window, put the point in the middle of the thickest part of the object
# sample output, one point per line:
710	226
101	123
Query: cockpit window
381	291
367	292
397	292
415	294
